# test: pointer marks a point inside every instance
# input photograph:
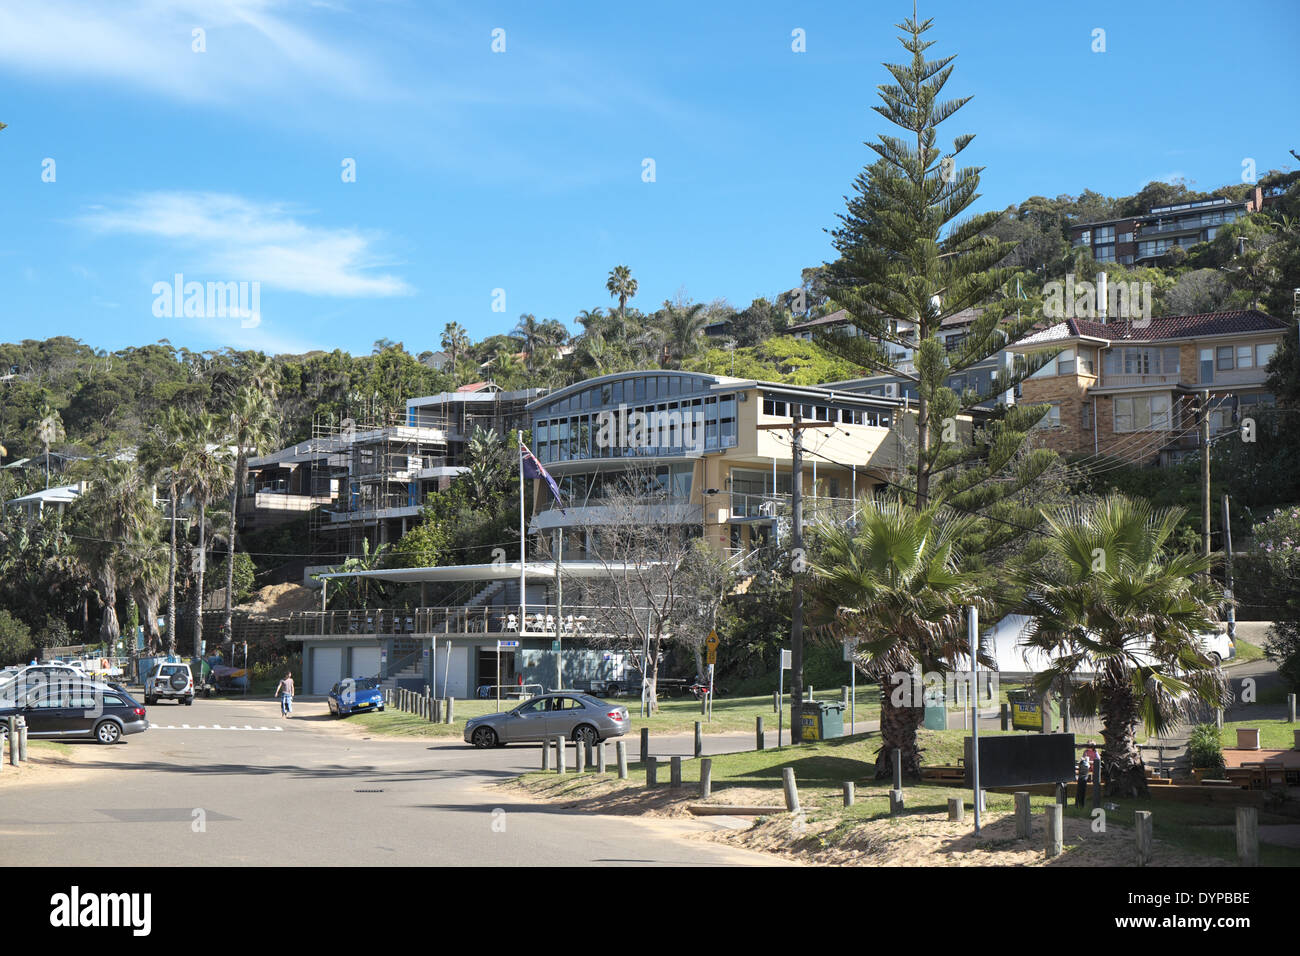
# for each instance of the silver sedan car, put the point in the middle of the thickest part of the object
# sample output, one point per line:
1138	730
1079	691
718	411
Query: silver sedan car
572	715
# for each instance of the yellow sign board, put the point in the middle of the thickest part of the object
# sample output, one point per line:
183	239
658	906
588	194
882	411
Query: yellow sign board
711	657
712	639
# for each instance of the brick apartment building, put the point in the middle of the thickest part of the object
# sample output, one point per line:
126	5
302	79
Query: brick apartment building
1123	391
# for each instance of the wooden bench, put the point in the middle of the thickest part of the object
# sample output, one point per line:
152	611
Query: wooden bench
944	774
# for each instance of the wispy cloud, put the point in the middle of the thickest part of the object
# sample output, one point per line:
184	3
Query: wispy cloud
234	238
251	47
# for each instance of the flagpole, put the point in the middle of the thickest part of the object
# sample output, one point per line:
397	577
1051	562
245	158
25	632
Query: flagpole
523	606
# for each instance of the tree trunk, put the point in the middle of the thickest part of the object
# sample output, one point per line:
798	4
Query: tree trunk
203	560
922	447
171	580
652	673
226	633
1120	756
898	726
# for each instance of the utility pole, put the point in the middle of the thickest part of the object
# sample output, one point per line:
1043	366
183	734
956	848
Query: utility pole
799	562
1229	596
796	592
1205	472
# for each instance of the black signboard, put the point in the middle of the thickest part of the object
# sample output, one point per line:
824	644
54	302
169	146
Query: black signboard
1023	759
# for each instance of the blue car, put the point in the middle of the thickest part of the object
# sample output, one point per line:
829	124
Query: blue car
355	695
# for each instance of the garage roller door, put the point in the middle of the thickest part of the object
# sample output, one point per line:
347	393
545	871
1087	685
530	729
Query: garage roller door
365	662
327	664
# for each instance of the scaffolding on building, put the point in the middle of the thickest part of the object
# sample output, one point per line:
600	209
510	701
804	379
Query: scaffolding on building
384	469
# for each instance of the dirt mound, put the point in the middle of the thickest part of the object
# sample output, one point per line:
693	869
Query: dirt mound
281	600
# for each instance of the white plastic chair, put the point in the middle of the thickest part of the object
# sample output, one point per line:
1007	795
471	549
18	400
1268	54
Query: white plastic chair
511	623
550	623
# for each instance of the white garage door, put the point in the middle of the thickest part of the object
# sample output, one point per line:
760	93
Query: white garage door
365	662
457	675
326	670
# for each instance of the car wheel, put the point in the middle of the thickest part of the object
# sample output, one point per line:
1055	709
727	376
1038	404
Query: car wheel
150	701
189	701
1215	659
107	732
586	734
484	737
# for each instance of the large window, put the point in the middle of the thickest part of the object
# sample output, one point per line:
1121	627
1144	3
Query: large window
1142	413
1141	361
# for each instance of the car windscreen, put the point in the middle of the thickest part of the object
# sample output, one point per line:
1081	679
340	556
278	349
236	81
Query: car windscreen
169	669
365	683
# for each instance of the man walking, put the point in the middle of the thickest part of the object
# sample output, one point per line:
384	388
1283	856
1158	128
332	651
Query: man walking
284	690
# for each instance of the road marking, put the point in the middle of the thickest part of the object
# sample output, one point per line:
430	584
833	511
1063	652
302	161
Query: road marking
213	727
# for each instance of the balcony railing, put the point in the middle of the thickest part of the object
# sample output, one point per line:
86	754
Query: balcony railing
538	620
779	506
1116	381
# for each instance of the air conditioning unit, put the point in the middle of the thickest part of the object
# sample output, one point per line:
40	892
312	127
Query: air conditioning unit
891	390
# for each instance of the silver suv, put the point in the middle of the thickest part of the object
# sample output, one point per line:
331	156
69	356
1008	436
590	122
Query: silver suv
169	682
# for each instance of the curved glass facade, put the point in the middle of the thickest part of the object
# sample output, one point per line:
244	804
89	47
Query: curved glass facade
641	414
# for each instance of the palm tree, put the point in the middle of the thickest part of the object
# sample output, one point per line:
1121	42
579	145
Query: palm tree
159	454
1113	600
455	340
114	512
251	423
621	286
892	588
146	567
204	473
684	325
49	429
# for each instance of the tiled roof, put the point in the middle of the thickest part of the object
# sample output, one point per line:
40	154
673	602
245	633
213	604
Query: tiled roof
963	317
1166	327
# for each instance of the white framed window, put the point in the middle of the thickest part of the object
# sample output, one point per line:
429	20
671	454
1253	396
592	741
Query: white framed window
1052	419
1065	363
1245	356
1223	358
1142	413
1263	353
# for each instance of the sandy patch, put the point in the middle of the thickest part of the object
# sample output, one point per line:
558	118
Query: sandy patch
44	766
916	839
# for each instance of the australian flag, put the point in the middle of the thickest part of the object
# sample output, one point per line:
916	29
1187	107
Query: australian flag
533	469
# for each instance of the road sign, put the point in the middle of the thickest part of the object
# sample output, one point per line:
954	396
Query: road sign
711	656
848	650
555	645
786	662
507	643
712	640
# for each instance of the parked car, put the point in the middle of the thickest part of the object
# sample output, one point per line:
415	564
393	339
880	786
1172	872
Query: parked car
1219	647
69	710
354	695
171	682
18	684
575	716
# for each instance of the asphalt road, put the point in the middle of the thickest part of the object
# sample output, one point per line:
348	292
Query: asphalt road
305	792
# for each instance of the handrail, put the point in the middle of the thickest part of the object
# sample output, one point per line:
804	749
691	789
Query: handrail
503	620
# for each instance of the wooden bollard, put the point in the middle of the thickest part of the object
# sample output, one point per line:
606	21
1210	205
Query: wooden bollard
451	707
675	772
546	755
1142	818
1290	708
699	740
848	793
1055	830
645	744
898	769
589	750
956	809
760	739
600	757
1024	823
706	777
1006	716
844	695
1061	794
579	756
895	802
13	741
22	738
790	788
1248	836
620	754
651	771
559	755
776	702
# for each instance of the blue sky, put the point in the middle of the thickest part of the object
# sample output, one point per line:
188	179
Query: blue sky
522	170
